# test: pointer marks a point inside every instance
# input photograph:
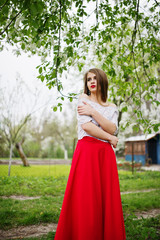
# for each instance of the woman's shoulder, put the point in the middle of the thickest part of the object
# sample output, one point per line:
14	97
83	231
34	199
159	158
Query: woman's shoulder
109	104
83	95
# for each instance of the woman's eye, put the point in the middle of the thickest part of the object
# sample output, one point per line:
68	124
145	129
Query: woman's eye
88	79
94	77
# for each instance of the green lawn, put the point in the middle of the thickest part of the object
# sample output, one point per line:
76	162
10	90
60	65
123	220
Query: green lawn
35	170
49	183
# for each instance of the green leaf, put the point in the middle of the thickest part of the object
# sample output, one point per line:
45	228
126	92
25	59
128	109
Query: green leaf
55	109
157	102
23	46
136	128
33	8
124	109
156	127
42	78
54	73
56	47
40	70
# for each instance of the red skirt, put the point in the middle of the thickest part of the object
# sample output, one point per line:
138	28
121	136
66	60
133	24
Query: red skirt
92	208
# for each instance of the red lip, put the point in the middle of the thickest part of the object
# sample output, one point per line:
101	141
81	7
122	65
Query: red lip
93	86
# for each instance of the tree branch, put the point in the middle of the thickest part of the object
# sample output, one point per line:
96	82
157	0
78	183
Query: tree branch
135	27
144	69
6	135
58	52
3	5
19	128
59	42
133	42
158	4
96	14
134	60
10	22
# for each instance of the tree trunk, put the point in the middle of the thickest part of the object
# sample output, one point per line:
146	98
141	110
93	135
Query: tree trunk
10	159
22	155
65	153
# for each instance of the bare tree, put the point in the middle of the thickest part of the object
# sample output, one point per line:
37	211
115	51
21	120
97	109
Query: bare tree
14	117
21	152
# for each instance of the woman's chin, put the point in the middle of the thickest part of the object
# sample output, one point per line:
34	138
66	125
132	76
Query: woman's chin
93	90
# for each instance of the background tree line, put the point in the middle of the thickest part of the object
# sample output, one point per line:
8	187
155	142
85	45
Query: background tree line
49	139
28	130
48	135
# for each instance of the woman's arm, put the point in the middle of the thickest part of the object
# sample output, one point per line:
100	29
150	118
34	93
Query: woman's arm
105	124
97	132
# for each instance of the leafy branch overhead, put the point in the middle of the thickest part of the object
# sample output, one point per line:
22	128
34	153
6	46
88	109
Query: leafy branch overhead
123	37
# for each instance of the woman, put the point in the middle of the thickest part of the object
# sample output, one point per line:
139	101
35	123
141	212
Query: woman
92	208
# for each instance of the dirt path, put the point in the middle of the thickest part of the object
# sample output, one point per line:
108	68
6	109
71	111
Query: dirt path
39	230
28	231
140	191
43	229
38	162
148	214
22	198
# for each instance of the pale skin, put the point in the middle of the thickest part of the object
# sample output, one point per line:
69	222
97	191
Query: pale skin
108	128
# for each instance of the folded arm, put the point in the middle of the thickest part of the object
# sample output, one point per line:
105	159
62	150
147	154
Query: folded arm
105	124
97	132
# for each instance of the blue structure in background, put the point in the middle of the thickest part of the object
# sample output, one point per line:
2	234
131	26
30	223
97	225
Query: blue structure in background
145	149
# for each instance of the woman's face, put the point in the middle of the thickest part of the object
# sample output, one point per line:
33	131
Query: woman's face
91	82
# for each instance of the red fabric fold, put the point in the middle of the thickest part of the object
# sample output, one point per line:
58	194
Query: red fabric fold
92	208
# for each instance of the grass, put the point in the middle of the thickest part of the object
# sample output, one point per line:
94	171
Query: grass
33	186
140	201
17	213
142	229
44	184
138	180
49	236
49	182
47	208
35	170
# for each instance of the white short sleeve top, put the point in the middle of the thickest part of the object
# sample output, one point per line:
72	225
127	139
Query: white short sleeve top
109	112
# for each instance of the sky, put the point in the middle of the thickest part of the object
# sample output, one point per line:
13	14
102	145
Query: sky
24	68
11	67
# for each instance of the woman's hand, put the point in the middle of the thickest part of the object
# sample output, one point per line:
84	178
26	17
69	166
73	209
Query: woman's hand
114	141
86	109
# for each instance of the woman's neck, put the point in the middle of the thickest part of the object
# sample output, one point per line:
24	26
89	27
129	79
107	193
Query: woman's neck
94	98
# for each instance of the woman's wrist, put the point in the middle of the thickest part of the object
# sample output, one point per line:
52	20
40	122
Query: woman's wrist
109	137
93	112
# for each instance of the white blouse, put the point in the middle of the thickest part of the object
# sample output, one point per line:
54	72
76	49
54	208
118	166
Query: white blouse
109	112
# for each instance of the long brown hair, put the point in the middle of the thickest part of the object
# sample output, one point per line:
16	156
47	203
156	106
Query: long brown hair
102	83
